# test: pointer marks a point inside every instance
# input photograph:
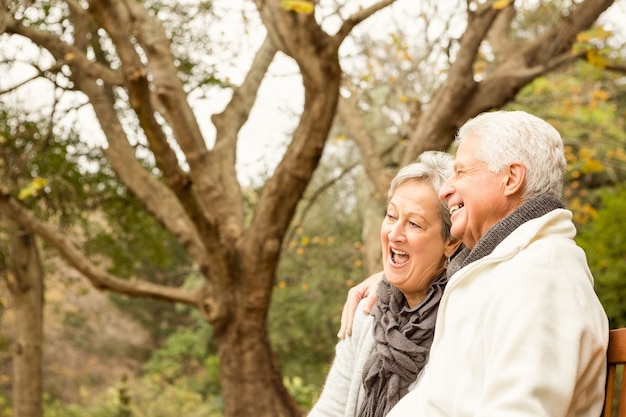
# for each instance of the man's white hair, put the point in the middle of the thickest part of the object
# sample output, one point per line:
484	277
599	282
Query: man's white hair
507	136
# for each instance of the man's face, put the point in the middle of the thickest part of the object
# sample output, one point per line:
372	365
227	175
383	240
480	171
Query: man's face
475	195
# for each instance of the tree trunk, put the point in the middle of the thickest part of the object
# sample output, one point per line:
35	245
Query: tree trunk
25	283
250	376
372	208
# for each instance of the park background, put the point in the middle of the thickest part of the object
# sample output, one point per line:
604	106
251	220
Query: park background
188	189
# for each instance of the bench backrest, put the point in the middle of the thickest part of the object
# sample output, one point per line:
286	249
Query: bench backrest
616	377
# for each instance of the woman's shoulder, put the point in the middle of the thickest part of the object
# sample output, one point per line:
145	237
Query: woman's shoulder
362	324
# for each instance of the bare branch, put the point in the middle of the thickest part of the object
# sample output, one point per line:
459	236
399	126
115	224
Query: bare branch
64	52
349	113
316	194
498	35
358	17
4	15
98	278
621	68
40	73
435	130
236	113
462	96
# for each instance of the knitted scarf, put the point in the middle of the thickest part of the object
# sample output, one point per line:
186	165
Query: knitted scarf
403	338
531	209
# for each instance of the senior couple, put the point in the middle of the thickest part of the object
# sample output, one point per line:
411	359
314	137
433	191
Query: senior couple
485	306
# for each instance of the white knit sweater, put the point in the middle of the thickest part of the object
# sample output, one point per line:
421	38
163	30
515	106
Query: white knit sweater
343	391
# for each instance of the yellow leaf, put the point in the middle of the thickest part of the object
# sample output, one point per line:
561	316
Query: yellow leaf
595	59
595	33
32	188
298	6
500	4
601	95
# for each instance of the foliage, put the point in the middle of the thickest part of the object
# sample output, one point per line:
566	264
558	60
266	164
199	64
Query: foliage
604	242
5	409
587	106
188	353
321	260
151	396
304	394
46	168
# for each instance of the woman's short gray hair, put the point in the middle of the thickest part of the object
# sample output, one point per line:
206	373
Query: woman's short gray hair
434	167
507	136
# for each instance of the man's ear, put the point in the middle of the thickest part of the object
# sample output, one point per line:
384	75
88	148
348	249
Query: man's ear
516	173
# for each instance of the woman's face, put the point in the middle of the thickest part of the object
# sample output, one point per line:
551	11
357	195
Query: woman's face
413	248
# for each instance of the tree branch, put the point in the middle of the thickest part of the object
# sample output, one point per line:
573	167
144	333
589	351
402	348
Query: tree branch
40	73
462	96
435	130
310	202
358	17
621	68
372	161
534	59
98	278
236	113
64	52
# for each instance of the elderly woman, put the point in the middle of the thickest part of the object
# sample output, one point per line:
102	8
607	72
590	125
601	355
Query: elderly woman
383	357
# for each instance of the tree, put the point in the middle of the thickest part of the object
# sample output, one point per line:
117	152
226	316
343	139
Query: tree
119	56
201	204
25	279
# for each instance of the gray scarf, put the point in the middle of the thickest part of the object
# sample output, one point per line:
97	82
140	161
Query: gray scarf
403	338
531	209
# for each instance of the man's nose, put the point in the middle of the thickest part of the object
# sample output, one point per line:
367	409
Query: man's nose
446	189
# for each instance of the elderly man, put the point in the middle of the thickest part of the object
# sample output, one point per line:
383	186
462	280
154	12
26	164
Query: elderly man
520	330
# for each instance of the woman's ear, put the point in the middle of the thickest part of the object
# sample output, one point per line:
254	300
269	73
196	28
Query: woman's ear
451	247
516	174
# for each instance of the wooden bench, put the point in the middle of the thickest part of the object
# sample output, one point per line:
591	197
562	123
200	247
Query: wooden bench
616	358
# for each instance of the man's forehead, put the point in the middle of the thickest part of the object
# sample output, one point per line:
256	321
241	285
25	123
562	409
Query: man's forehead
463	157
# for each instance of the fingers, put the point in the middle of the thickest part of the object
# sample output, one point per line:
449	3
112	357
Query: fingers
366	289
347	314
370	301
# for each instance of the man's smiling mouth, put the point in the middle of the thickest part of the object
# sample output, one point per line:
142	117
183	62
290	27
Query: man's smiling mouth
456	208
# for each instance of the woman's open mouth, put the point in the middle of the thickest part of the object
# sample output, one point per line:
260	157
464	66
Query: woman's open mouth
398	257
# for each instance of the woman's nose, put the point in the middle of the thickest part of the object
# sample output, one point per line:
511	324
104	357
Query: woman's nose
396	232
